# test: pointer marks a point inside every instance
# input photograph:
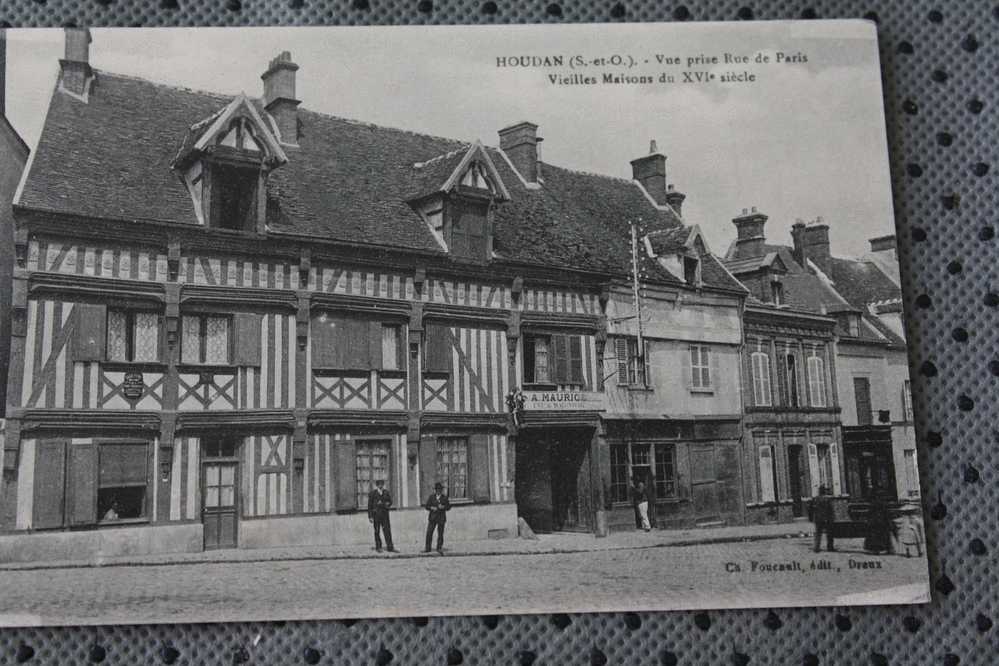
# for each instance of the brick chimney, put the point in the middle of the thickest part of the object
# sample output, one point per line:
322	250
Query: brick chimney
520	143
279	96
798	240
650	171
750	237
675	199
885	244
816	240
75	66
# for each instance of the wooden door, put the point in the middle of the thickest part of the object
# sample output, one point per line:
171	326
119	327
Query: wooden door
219	482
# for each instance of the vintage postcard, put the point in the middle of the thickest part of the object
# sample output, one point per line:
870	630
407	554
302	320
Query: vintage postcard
309	323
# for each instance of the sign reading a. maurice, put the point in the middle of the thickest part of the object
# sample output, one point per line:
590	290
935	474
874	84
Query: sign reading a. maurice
563	401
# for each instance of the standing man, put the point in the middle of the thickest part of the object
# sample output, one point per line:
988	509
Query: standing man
823	516
379	502
634	501
438	505
642	500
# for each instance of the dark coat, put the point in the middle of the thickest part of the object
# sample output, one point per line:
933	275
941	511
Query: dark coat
438	507
822	510
379	503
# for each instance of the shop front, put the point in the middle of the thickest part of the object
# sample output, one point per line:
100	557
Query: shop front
869	464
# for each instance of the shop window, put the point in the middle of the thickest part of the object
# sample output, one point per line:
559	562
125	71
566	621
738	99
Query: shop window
631	365
653	463
122	480
553	359
372	462
205	339
700	368
133	336
761	379
452	466
816	381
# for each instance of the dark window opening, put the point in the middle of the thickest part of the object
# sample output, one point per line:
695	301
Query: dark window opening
122	480
553	359
234	198
777	290
690	269
121	503
792	380
469	230
220	448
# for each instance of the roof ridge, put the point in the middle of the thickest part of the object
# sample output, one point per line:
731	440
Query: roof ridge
582	172
441	157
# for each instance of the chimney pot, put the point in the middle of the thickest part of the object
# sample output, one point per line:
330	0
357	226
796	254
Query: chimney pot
279	96
750	235
75	69
650	171
520	143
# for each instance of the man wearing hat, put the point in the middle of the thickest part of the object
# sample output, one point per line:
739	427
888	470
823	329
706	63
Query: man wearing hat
379	502
438	505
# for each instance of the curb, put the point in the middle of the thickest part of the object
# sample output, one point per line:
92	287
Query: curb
401	556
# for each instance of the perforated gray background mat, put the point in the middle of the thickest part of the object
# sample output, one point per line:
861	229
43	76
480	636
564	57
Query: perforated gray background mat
941	93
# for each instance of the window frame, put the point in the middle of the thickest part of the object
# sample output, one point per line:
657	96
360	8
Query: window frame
637	375
144	516
907	409
658	455
233	163
761	378
576	372
202	336
129	333
816	369
702	367
369	443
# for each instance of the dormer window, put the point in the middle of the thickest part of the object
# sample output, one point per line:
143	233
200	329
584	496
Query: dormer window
691	270
468	220
477	178
777	292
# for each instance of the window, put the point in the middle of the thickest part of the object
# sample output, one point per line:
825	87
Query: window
862	398
553	359
469	229
761	379
768	474
133	337
911	475
700	369
122	478
631	366
907	401
653	463
791	379
392	358
816	381
452	466
691	270
777	292
824	461
234	197
205	339
372	465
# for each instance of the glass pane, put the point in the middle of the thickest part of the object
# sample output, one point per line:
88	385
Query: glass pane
217	340
190	345
227	476
227	496
541	373
146	336
390	347
117	345
212	475
211	496
640	454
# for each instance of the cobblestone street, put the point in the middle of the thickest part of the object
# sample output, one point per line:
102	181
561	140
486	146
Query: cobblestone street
708	576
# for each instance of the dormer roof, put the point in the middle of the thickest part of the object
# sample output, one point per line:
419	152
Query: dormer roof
444	173
202	136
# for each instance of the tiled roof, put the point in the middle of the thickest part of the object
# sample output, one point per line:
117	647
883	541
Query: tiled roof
668	241
862	282
347	181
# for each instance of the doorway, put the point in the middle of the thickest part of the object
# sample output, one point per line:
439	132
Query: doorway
219	481
571	510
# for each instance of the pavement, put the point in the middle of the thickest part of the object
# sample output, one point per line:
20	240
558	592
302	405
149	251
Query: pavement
562	542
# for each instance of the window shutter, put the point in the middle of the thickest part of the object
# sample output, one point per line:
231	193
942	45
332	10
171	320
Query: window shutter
374	335
560	344
246	326
346	475
575	359
323	342
766	475
621	354
478	467
428	465
782	378
686	367
438	345
646	377
50	483
89	340
834	459
82	503
714	375
813	468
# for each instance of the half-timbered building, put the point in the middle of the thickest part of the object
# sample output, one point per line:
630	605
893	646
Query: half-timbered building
231	316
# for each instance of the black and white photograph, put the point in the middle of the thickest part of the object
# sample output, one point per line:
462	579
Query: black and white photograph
312	323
